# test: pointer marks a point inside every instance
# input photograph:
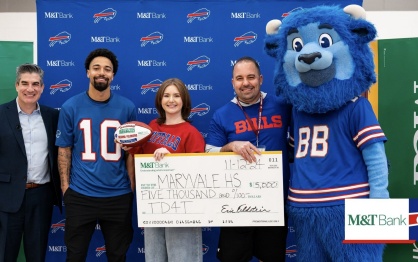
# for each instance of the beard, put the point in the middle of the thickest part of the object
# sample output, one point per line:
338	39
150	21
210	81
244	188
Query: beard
101	86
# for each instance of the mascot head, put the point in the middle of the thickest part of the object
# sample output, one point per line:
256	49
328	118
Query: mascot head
323	58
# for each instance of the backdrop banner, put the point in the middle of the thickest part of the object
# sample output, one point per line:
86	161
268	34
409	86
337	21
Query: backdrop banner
196	41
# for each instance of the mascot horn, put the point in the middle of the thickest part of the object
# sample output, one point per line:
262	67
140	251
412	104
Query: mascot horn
323	65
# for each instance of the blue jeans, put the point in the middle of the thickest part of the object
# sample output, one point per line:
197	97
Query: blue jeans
173	244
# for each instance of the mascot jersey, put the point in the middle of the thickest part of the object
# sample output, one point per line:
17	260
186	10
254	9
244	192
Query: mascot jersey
329	166
178	138
229	124
98	167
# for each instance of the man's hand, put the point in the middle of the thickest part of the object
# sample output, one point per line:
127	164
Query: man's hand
243	148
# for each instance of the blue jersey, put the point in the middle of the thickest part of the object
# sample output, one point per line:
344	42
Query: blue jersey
229	124
329	165
98	165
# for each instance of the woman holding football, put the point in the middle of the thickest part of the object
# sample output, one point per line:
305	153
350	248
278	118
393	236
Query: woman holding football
173	103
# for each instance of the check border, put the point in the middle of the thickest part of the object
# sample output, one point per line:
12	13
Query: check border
209	189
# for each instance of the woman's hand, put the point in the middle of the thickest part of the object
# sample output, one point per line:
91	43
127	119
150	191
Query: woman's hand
160	153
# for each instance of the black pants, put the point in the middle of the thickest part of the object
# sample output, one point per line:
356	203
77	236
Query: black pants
114	214
240	244
32	221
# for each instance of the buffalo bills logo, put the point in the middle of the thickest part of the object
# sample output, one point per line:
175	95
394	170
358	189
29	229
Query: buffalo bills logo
205	249
200	15
60	225
106	15
154	85
100	250
247	38
62	38
291	251
153	38
201	62
200	110
293	10
63	86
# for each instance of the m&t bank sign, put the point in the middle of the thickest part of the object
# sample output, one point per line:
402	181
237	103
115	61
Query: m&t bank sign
381	220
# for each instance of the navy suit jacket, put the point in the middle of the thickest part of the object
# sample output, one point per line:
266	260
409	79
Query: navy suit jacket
13	160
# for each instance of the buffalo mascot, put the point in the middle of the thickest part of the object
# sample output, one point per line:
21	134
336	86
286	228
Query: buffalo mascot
323	66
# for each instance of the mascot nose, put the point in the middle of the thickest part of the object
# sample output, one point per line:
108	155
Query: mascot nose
309	58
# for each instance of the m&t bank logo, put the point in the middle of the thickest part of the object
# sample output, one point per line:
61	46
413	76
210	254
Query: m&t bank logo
154	165
147	165
375	219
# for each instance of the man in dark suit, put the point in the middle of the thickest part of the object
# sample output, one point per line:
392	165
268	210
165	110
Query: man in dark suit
29	179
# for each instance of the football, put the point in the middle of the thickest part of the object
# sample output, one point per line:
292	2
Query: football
133	133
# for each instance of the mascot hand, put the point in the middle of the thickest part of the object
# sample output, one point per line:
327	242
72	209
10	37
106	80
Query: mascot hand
375	158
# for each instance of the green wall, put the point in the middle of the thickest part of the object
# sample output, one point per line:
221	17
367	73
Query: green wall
398	102
12	54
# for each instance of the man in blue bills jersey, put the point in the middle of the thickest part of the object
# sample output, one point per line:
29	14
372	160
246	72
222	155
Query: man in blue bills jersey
251	122
96	184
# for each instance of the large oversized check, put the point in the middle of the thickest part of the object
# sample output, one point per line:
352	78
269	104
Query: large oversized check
209	189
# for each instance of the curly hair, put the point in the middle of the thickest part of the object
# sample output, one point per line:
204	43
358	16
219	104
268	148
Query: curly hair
104	53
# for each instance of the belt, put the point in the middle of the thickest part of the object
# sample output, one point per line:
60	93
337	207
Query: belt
32	185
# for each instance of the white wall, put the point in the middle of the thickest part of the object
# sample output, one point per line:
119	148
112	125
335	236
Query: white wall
19	27
394	24
389	24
